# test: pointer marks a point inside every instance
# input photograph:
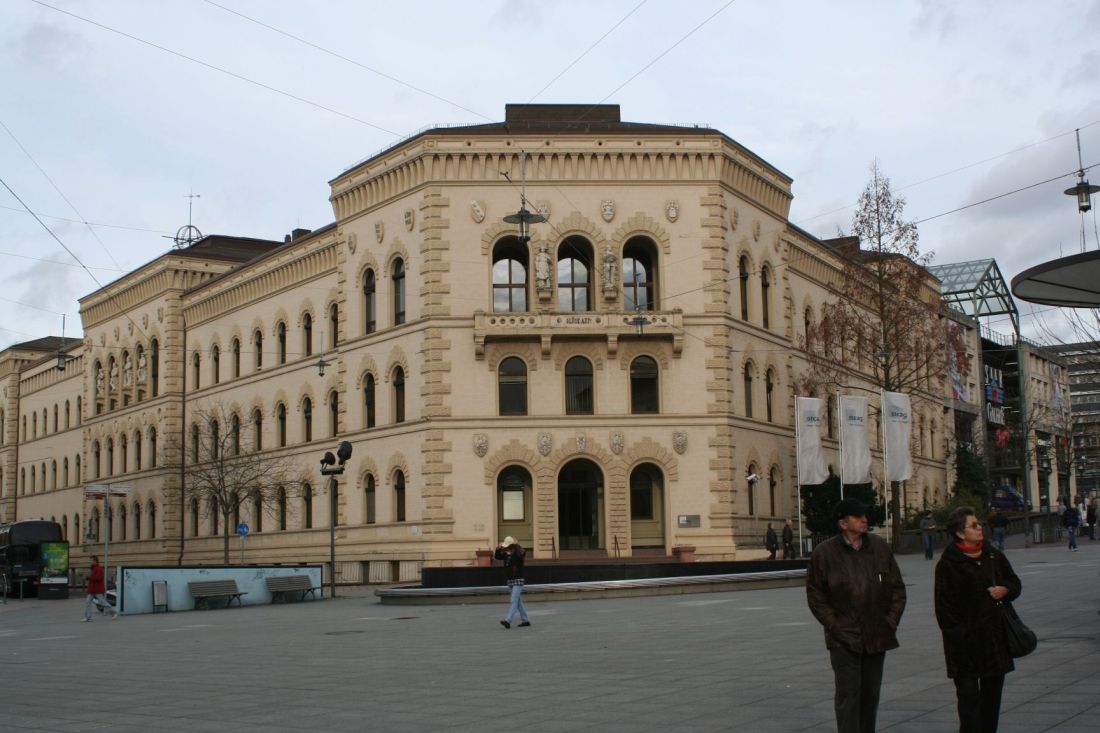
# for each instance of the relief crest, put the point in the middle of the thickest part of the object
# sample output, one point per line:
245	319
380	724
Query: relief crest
672	210
481	444
380	231
477	211
607	210
410	219
679	441
545	443
617	441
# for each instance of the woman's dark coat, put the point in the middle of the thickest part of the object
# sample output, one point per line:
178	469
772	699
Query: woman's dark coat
971	622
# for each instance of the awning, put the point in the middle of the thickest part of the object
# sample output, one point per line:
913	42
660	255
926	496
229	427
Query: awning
1070	282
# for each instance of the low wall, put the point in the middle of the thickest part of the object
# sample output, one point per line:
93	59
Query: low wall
135	584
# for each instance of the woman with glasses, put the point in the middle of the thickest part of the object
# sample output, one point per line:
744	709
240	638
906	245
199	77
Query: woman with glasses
972	579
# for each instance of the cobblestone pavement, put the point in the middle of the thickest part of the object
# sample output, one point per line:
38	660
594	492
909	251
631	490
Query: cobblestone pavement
749	661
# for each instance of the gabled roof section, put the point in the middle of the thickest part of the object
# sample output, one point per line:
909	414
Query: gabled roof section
977	288
48	343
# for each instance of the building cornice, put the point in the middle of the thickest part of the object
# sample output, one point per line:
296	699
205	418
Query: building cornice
146	285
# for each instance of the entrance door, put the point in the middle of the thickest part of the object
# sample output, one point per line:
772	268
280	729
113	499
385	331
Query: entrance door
580	506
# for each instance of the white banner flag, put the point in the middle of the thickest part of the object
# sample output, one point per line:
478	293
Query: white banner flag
812	467
855	461
896	413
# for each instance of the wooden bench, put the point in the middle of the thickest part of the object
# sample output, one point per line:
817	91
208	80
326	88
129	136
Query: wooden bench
280	585
203	590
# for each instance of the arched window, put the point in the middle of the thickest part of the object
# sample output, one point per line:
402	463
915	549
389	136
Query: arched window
78	414
194	517
575	275
152	520
65	470
122	521
280	508
512	386
639	275
280	336
123	449
22	481
65	527
644	386
215	364
34	425
196	366
370	302
76	470
334	325
398	496
152	447
752	489
235	434
307	420
307	506
55	423
137	450
769	388
510	276
154	370
370	512
748	390
369	404
194	443
258	344
280	419
765	303
398	277
258	428
808	324
579	399
333	413
398	394
137	520
112	383
257	515
53	474
236	347
307	334
96	467
235	517
743	276
76	529
68	417
773	491
214	510
109	463
139	381
215	440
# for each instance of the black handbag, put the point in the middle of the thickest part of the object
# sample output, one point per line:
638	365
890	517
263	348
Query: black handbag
1019	639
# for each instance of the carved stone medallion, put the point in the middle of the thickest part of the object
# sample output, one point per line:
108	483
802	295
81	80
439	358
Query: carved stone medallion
679	441
353	242
617	440
380	231
544	209
672	210
607	210
756	230
477	211
582	441
546	443
481	444
410	219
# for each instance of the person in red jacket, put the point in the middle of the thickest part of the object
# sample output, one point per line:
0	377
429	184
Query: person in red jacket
96	591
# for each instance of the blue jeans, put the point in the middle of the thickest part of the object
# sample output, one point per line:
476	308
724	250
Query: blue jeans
999	537
517	604
100	600
1072	537
927	541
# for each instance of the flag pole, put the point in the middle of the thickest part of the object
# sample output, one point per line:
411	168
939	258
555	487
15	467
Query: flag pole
885	462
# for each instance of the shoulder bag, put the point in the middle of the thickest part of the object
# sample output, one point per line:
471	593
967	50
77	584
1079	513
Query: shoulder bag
1019	639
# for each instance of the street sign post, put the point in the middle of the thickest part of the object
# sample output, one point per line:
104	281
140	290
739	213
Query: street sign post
105	492
242	532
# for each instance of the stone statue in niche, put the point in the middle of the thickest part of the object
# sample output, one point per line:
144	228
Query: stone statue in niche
99	382
543	268
609	262
128	372
142	368
114	377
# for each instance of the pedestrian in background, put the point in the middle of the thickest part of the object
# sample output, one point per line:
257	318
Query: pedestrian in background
928	534
1090	516
788	541
1071	520
96	590
512	554
854	588
998	522
972	579
771	542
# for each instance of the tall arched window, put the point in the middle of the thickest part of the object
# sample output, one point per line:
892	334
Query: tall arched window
55	423
196	370
34	425
109	463
142	366
765	297
333	413
258	345
280	335
398	394
152	447
369	404
769	388
370	511
575	275
280	419
398	496
137	450
78	415
194	443
743	277
512	386
235	434
280	508
307	334
53	474
65	527
96	467
76	528
215	364
639	275
152	520
137	520
644	386
257	515
215	440
257	429
194	517
76	468
752	489
307	506
214	510
65	470
334	325
236	351
748	390
579	398
510	276
773	491
398	277
122	521
307	420
807	324
124	450
370	302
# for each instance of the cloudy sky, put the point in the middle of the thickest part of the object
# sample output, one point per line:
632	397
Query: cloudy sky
114	110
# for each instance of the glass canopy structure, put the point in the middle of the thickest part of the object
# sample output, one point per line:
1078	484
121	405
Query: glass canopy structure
977	288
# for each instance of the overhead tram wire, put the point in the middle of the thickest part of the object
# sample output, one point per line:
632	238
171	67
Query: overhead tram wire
90	223
57	262
219	69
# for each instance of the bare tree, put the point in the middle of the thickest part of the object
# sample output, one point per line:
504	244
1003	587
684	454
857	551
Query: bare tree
886	327
222	477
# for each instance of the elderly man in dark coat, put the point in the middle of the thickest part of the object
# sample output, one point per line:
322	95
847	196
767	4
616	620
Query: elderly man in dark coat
972	578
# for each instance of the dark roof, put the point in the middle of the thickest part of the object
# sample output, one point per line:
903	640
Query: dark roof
223	247
48	343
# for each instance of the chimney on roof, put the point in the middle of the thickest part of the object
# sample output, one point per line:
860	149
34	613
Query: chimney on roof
843	245
295	235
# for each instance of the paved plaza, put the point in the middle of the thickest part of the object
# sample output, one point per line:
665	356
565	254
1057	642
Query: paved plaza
748	661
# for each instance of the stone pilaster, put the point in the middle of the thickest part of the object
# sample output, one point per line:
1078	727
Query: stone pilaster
437	492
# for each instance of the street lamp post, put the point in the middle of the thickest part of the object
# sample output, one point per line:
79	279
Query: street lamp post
332	466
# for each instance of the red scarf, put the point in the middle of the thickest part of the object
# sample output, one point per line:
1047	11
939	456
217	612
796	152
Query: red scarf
971	551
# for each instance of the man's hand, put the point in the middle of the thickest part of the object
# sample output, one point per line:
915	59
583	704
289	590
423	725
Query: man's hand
998	592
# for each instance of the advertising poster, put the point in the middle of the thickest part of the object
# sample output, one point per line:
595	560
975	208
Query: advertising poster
54	562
